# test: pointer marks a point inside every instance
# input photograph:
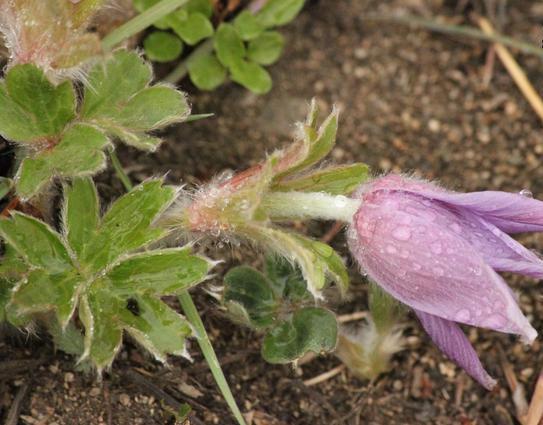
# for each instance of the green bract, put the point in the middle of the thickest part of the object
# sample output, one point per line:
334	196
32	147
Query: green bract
279	304
98	266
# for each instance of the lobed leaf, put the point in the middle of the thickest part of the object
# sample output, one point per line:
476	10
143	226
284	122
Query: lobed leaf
160	272
126	225
287	279
126	107
81	213
31	107
35	242
80	152
310	329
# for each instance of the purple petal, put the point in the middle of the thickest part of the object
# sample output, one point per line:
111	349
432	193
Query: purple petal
499	250
453	342
413	248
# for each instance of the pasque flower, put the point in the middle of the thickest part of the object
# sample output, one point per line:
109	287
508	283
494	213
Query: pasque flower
438	252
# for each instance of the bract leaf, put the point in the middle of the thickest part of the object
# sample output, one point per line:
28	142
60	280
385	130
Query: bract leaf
310	329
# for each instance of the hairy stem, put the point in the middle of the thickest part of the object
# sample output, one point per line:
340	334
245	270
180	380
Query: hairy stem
207	349
140	22
308	205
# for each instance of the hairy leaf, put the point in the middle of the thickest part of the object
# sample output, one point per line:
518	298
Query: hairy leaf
341	180
126	225
80	152
32	109
247	289
127	107
165	271
310	329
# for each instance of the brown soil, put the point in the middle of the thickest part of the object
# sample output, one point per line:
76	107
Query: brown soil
411	101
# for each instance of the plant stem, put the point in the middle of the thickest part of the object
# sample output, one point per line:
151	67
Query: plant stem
119	170
462	30
207	349
140	22
308	205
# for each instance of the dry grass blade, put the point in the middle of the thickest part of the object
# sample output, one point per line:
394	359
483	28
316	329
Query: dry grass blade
517	390
514	70
535	411
324	376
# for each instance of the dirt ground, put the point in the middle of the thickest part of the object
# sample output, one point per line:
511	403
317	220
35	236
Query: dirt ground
411	101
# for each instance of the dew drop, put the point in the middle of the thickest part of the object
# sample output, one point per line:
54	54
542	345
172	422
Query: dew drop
462	315
526	193
455	227
391	249
494	321
439	271
402	233
417	266
436	248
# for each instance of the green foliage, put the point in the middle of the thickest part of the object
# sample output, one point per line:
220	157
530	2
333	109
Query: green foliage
31	108
161	46
206	72
58	141
97	267
5	186
80	152
385	310
310	329
276	303
251	76
128	108
247	25
266	48
190	27
279	12
229	46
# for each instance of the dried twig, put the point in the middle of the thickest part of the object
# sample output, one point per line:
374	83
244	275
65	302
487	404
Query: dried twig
517	389
535	411
324	376
15	409
332	232
352	317
514	70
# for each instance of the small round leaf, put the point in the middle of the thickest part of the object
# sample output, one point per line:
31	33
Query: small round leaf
251	76
266	48
161	46
228	45
206	72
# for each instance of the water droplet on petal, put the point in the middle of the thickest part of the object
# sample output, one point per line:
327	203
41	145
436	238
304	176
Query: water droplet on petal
436	248
455	227
494	321
462	315
438	271
417	266
391	249
526	193
402	233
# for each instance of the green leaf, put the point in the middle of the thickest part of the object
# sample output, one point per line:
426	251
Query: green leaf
80	213
247	289
12	265
228	45
31	108
36	242
247	25
43	291
143	5
287	279
158	328
5	296
341	180
310	329
206	72
251	76
103	332
161	46
5	187
68	339
126	107
279	12
191	27
80	152
266	48
125	226
205	7
165	272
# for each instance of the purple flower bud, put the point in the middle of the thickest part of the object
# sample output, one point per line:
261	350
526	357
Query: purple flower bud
438	252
